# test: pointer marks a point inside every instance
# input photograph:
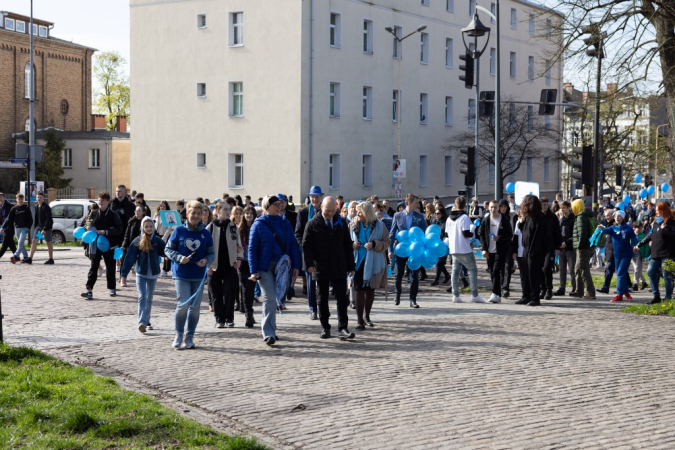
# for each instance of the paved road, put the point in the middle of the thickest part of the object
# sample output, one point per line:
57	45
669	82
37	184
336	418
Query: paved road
570	374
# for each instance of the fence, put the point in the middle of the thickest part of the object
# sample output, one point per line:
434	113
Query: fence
72	193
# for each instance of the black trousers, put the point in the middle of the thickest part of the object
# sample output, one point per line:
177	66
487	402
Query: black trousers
7	243
508	271
340	290
496	263
249	286
224	285
110	268
547	271
530	276
414	286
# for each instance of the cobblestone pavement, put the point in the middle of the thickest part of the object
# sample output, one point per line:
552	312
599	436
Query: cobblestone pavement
570	374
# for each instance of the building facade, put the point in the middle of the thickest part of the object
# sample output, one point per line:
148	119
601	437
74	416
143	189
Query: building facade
62	79
257	97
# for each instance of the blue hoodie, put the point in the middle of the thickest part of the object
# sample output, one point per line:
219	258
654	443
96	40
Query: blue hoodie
264	249
141	259
623	239
183	242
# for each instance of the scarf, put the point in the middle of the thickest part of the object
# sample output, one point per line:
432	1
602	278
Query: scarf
373	262
312	212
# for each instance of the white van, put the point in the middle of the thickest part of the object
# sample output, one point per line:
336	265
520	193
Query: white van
67	215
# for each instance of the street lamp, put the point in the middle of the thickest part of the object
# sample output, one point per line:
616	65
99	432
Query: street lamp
399	55
474	30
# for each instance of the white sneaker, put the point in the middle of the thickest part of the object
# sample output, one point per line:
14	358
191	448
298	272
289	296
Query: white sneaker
477	299
164	274
457	299
494	298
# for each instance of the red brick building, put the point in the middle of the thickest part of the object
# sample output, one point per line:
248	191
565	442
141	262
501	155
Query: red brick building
62	79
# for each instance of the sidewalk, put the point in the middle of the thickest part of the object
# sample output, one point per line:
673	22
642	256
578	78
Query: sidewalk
569	374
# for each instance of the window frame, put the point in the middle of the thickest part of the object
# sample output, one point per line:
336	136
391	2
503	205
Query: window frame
471	119
547	74
531	68
334	171
66	158
397	48
531	26
514	19
449	113
447	167
424	170
12	21
493	10
513	61
201	160
450	6
367	102
94	157
424	108
395	111
425	3
236	29
201	21
472	5
493	61
449	52
547	168
40	28
368	44
335	97
23	25
424	48
335	30
366	170
232	93
201	90
530	118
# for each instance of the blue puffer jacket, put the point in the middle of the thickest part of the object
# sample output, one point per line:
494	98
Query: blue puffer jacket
263	248
140	259
623	239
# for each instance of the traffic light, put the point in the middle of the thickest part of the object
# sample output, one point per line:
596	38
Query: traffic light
547	96
467	69
486	104
594	42
648	180
469	165
584	165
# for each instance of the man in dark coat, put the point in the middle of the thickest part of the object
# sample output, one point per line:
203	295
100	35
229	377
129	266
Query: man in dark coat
552	224
568	257
304	216
123	206
495	235
328	254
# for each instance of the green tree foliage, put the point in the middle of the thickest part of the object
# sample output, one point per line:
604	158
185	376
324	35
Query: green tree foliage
50	169
112	99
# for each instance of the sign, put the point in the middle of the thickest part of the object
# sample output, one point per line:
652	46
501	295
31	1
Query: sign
21	151
20	160
35	187
524	188
170	218
12	165
399	170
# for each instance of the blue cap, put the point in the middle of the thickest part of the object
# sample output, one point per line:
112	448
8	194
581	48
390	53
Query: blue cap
315	190
282	197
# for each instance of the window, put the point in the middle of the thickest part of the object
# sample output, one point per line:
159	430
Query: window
74	211
367	171
493	10
236	29
491	173
201	20
20	26
335	30
424	108
448	170
449	52
334	107
424	48
27	125
512	64
201	160
58	211
236	170
398	53
547	168
530	68
530	118
35	30
493	61
547	123
237	99
450	5
547	75
334	171
67	157
514	18
425	2
27	80
94	158
448	111
368	37
367	102
472	7
423	171
394	106
512	116
201	90
9	24
548	28
472	112
42	31
531	24
511	168
529	168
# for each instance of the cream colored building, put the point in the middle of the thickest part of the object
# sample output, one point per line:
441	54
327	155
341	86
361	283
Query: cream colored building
260	96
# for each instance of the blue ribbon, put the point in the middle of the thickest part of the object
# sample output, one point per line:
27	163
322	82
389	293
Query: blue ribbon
595	238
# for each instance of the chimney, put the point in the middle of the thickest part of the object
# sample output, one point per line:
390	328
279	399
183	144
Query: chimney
612	88
97	122
585	96
121	124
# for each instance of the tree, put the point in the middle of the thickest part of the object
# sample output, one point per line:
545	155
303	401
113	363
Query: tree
50	170
522	135
113	96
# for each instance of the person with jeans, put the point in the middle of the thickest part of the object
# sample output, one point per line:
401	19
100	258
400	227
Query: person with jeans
327	250
21	219
495	235
144	253
244	269
568	257
584	225
190	249
304	216
407	219
662	240
460	233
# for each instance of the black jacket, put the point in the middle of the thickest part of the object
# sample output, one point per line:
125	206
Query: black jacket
505	234
609	244
125	209
109	222
567	230
299	229
292	217
553	228
4	210
20	217
328	251
662	239
45	218
133	230
536	238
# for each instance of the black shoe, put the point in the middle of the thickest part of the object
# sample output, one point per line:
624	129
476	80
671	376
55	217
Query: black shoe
534	303
643	285
249	321
576	294
352	305
523	301
542	294
446	279
435	282
88	295
549	294
635	287
413	304
270	341
313	316
304	290
506	294
325	334
603	290
360	327
27	261
465	282
449	289
655	300
369	322
346	334
423	277
560	291
398	299
291	293
49	261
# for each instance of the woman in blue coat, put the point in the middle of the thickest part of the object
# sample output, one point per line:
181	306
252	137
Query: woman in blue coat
623	240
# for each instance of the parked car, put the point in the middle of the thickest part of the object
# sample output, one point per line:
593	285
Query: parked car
67	216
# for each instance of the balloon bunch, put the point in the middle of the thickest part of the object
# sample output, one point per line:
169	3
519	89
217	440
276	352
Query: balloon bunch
102	243
422	250
644	193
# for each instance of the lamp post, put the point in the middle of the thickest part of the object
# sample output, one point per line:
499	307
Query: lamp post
399	54
474	30
656	159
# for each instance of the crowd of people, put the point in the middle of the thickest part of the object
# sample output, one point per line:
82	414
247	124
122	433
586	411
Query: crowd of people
245	252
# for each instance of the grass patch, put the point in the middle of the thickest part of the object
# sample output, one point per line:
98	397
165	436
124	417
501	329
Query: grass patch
47	403
665	308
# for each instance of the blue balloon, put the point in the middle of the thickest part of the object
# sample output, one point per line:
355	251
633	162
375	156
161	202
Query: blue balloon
476	223
430	239
510	187
442	251
665	187
416	234
103	243
478	254
118	253
414	263
429	259
416	249
39	235
89	237
402	249
620	206
643	193
650	190
626	199
403	236
638	178
79	232
433	229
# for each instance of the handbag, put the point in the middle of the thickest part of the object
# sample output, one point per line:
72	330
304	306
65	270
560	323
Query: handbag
281	271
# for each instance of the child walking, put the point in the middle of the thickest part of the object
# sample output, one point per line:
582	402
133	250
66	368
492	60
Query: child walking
623	240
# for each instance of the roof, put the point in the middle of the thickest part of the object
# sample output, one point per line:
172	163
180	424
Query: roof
49	25
81	135
539	6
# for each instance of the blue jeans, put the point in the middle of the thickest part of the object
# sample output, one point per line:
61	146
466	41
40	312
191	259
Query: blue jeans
622	265
190	312
467	260
311	293
654	274
269	302
146	289
21	236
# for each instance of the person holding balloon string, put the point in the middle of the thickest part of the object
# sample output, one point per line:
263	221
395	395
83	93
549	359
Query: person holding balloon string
623	241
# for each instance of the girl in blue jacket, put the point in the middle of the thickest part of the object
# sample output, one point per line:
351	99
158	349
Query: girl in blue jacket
144	252
623	239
